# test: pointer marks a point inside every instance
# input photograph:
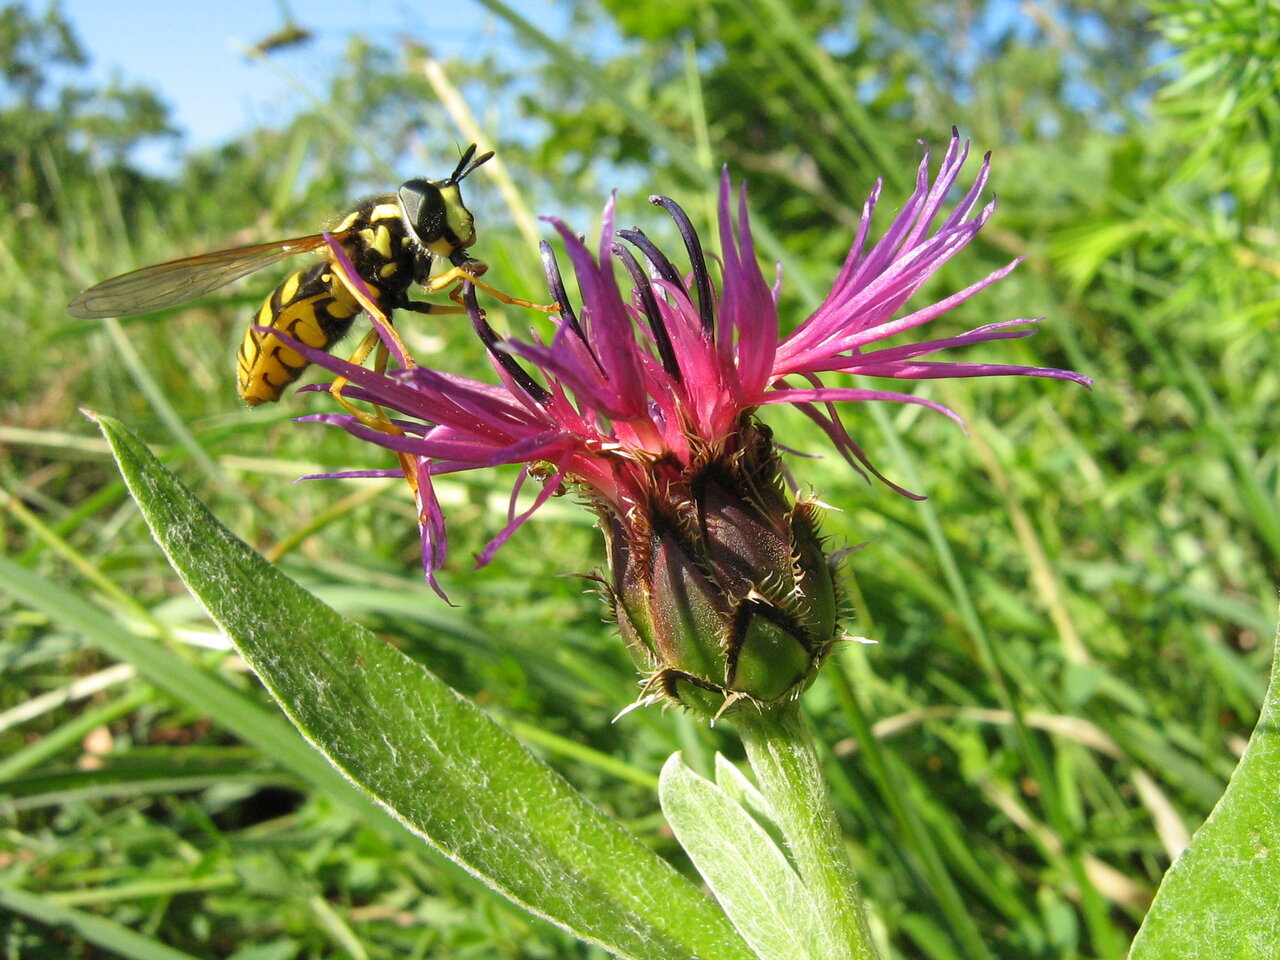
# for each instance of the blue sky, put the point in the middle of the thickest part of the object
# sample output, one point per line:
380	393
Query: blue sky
190	51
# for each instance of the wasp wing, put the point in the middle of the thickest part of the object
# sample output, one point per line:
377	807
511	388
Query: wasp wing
164	284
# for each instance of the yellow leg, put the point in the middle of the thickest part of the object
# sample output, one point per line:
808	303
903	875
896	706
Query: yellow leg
457	274
378	420
417	306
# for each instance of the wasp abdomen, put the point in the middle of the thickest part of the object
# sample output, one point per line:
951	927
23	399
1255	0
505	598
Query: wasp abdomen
312	306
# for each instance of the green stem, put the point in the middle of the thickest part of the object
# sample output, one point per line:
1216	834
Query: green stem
789	775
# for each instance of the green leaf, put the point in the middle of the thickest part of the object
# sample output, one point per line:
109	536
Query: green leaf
1219	899
739	788
750	876
429	756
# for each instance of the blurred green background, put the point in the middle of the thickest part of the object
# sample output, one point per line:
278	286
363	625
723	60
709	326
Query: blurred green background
1073	631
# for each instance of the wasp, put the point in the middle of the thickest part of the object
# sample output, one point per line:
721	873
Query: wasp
392	240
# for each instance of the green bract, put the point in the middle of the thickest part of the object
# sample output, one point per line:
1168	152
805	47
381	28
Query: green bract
720	583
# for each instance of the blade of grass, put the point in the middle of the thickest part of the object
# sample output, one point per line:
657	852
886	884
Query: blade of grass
170	417
188	683
70	733
878	765
77	690
1107	938
104	933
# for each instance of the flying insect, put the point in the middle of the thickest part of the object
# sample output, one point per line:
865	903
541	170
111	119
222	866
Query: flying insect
393	241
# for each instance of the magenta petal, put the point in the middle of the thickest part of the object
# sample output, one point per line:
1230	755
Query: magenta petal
352	475
351	277
514	522
435	538
940	370
847	394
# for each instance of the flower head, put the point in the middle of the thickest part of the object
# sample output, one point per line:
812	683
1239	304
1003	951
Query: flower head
647	405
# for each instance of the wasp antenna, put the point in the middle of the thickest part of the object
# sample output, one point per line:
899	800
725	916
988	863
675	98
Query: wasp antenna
460	170
467	165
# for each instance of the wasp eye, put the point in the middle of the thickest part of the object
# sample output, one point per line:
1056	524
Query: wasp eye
424	210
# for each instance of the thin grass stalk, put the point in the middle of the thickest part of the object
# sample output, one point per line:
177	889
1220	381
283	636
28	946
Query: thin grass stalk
929	860
1106	939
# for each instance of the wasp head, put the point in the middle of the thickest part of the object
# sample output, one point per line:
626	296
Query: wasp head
434	214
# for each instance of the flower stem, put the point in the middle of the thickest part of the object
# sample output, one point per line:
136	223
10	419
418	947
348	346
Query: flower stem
787	770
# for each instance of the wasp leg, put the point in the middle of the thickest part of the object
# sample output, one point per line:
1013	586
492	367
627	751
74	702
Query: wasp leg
449	277
378	421
408	463
417	306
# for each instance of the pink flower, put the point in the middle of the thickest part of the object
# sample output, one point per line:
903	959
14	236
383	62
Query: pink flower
633	393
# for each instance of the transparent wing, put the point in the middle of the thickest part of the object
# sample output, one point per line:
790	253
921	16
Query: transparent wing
164	284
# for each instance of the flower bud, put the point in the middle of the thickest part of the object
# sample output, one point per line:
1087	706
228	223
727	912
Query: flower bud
720	584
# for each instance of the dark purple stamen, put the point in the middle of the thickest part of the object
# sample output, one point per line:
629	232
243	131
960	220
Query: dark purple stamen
490	339
696	260
555	284
655	256
649	304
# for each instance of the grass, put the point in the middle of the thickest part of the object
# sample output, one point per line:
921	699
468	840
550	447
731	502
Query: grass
1072	631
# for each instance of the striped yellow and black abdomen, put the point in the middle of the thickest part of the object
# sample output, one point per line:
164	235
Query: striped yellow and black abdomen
315	306
310	306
